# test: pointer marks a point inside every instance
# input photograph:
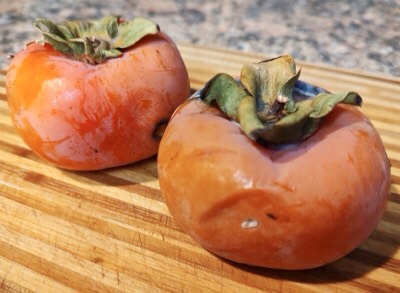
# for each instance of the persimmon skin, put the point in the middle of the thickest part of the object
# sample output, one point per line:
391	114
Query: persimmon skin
299	206
80	116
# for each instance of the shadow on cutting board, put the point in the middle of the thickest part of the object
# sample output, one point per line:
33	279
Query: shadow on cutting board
351	267
134	173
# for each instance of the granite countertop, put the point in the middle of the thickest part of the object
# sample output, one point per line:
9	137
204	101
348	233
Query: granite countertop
362	35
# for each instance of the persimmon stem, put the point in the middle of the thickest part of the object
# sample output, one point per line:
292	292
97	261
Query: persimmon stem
278	105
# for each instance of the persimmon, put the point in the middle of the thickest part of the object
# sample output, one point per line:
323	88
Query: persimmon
252	170
96	94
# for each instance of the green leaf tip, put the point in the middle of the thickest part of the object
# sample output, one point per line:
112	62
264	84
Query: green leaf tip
94	41
270	103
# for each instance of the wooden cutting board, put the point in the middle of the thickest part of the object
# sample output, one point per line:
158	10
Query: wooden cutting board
111	231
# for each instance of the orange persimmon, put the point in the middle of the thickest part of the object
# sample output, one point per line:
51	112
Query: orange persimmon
96	94
266	200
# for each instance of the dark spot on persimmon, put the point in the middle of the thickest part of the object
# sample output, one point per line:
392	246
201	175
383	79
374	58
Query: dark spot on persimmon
362	133
350	159
271	216
159	129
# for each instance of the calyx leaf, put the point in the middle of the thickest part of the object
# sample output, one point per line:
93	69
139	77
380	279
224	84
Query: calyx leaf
95	41
270	103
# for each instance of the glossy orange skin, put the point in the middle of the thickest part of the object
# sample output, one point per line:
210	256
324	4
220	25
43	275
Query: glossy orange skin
87	117
310	203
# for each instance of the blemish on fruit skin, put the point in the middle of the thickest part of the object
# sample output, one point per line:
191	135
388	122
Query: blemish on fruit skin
271	216
249	224
284	186
350	159
362	133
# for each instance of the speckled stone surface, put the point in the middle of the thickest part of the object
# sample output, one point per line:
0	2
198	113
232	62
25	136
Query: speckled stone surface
361	35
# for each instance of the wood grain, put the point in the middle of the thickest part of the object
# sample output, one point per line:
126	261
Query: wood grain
110	231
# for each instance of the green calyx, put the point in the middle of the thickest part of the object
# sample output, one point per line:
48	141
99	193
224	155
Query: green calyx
94	41
267	104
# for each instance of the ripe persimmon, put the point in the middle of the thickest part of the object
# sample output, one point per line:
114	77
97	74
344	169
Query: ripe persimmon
96	94
258	186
